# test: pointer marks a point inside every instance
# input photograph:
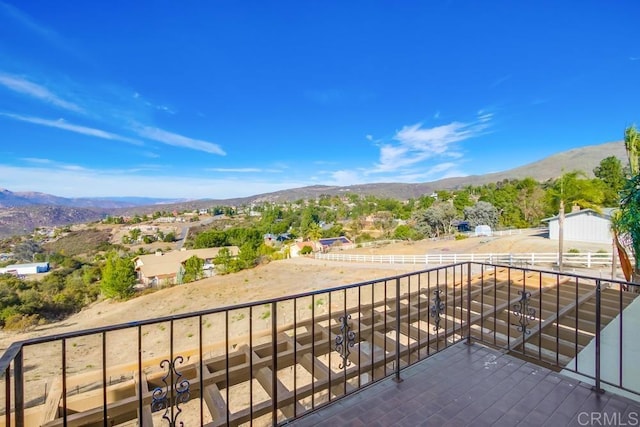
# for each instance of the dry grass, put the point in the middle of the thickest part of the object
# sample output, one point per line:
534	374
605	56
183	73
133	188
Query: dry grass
281	278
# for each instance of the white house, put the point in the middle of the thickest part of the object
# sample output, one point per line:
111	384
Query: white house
24	269
295	248
585	225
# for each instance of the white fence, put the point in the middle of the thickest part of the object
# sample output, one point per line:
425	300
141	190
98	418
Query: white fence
588	260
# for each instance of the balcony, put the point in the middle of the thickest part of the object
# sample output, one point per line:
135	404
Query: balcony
447	334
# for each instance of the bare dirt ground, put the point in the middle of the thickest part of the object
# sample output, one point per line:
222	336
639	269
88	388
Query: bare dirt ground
276	279
281	278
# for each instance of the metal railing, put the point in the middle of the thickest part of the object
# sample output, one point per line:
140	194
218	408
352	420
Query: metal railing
269	362
587	260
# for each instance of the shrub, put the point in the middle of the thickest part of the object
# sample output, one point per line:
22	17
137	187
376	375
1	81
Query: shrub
21	322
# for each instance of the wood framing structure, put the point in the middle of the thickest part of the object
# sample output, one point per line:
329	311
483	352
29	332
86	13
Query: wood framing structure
360	335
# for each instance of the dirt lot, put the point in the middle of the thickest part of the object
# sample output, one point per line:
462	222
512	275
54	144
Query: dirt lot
276	279
284	278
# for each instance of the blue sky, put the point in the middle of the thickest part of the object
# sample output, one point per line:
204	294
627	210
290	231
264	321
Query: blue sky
222	99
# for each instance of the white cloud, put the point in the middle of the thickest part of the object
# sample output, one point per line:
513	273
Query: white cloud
73	168
61	124
499	81
484	116
147	103
150	154
29	23
169	138
346	177
415	144
26	87
37	160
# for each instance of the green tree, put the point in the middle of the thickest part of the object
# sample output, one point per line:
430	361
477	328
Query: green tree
436	220
308	218
118	277
610	172
626	222
223	261
210	239
314	232
504	195
248	256
632	145
462	200
530	201
405	232
193	269
482	213
425	201
134	234
148	239
575	189
333	231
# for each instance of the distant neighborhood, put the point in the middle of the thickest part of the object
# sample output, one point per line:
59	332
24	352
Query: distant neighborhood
56	270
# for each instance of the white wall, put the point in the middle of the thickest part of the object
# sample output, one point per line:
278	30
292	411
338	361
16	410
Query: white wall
583	227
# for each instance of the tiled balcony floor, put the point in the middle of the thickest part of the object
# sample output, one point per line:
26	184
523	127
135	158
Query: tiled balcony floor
477	386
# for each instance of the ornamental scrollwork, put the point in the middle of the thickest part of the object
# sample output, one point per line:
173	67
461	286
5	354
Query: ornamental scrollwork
174	393
344	340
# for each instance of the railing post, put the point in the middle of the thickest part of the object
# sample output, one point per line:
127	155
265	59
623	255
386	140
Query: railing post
7	395
274	362
397	377
469	303
18	384
597	387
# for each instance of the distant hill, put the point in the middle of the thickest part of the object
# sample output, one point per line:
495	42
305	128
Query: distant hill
21	212
24	219
584	159
14	199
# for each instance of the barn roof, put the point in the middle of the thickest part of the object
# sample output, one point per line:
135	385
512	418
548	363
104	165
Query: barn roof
603	213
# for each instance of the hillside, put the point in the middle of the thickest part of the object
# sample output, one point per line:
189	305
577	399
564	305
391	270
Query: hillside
24	219
22	212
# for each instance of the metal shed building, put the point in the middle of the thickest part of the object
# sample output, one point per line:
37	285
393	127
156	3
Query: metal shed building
585	225
23	269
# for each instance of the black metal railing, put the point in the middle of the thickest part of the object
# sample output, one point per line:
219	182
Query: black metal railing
272	361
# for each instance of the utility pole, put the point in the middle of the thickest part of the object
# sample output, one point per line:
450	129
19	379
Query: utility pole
560	235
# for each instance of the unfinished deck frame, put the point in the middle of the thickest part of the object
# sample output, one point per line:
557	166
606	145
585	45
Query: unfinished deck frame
396	327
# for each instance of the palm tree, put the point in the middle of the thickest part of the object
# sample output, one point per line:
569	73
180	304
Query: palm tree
626	221
632	144
314	232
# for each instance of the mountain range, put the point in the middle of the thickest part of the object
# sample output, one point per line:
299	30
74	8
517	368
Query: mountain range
21	212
